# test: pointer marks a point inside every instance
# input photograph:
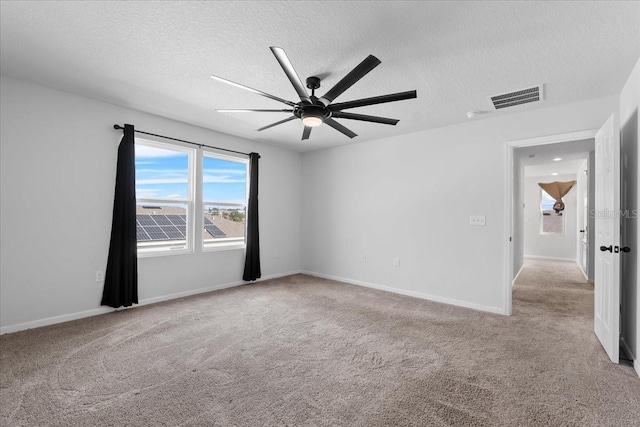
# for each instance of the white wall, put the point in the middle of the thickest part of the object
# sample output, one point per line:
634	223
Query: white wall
630	122
561	246
411	197
58	157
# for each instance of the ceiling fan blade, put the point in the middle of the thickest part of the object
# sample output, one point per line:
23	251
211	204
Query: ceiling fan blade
286	65
350	79
337	126
277	123
306	132
275	98
364	118
253	111
374	100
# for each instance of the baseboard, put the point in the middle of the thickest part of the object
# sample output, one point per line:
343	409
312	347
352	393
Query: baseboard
104	310
584	273
211	289
53	320
435	298
513	282
551	258
627	350
632	356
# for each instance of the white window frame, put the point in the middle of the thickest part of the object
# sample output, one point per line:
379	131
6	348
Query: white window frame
549	233
222	243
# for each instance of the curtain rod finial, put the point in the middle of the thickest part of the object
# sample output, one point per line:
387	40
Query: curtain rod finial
117	127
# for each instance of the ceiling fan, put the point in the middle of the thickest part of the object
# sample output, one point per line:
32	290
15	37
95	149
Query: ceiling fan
314	111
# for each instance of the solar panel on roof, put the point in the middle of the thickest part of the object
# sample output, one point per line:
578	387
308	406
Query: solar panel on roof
155	232
207	221
160	227
145	220
214	231
177	219
141	234
172	232
161	219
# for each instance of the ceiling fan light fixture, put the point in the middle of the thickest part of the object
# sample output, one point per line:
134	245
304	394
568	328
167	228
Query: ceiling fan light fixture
312	121
312	115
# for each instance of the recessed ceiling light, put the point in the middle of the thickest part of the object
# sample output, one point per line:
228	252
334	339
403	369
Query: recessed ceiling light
557	159
555	173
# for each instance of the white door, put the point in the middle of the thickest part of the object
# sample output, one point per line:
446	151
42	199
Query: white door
607	235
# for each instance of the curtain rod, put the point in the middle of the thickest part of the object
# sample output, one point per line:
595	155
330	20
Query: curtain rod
118	127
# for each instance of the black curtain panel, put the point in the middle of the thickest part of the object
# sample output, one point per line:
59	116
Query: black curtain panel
252	259
121	278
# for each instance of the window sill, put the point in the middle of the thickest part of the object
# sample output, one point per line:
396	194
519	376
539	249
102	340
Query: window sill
162	252
224	247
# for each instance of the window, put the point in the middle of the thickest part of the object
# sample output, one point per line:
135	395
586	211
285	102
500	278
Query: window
188	199
164	196
224	201
550	221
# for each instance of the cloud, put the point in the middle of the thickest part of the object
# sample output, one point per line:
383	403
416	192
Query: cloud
165	171
223	176
161	176
156	181
214	205
207	179
155	193
147	193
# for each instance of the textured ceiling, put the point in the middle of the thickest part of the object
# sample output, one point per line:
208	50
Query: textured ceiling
158	56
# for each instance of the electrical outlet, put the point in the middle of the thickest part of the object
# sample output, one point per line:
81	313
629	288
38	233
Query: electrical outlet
363	258
477	220
99	276
396	262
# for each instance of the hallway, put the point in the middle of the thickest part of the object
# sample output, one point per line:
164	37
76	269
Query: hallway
556	287
554	302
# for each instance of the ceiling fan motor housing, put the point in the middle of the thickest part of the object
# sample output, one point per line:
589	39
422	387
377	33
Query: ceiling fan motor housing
319	111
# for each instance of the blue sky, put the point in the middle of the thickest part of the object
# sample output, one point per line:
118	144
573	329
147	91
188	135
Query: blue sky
163	174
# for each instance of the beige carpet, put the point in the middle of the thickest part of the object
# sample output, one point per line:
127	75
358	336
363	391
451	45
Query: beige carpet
302	351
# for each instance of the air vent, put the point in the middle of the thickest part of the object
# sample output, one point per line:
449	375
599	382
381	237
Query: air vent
522	96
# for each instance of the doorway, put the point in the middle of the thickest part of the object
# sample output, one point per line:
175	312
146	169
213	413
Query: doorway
514	191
